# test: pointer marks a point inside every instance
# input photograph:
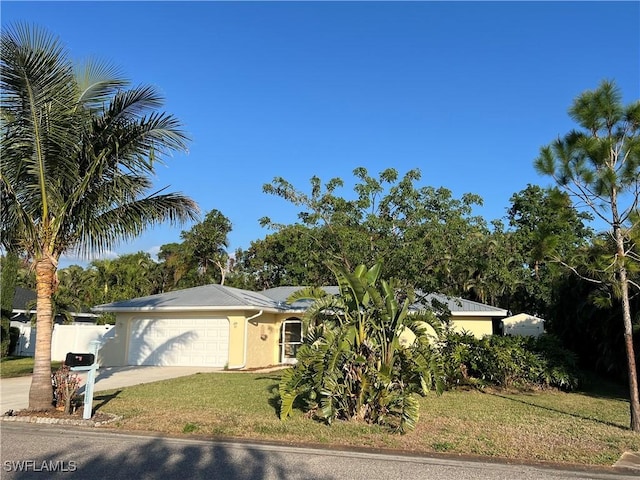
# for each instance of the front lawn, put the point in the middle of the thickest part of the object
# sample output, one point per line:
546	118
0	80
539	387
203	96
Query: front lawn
582	428
20	366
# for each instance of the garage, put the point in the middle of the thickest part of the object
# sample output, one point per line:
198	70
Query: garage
179	342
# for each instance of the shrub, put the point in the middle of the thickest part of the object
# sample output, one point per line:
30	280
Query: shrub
5	337
560	365
14	336
65	388
520	362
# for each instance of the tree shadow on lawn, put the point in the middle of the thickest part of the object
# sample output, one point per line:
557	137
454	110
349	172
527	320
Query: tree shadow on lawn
274	398
273	391
598	387
555	410
275	378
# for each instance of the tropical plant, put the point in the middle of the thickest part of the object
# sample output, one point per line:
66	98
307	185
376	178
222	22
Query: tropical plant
78	153
354	364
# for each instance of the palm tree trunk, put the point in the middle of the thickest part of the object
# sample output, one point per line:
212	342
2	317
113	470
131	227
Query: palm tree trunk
40	394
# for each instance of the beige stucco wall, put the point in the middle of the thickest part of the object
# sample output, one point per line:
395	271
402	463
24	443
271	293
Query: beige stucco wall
477	326
262	341
236	339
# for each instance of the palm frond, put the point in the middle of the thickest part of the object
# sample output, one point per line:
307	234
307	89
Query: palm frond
124	222
97	83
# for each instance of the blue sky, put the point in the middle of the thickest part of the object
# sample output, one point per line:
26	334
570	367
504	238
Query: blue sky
465	91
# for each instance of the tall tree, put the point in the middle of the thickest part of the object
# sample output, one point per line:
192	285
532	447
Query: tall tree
547	225
423	235
177	269
545	228
286	257
79	150
206	242
600	166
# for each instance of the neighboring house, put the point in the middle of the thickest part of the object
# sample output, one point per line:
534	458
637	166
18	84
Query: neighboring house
24	309
471	317
523	325
24	305
220	326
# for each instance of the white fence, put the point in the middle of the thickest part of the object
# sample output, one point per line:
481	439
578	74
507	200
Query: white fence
65	338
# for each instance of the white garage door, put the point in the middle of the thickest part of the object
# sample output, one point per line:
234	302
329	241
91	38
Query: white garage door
201	342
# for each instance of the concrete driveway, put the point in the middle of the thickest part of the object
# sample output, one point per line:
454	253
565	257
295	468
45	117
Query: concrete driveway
14	392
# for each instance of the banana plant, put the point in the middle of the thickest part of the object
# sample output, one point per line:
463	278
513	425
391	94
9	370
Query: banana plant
353	364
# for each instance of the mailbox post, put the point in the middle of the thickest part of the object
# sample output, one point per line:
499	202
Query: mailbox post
79	364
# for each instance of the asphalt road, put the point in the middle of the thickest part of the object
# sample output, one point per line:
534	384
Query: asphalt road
30	451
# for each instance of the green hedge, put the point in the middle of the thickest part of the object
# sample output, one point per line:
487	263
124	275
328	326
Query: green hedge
521	362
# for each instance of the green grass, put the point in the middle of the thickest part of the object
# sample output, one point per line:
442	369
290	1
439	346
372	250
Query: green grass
20	366
581	428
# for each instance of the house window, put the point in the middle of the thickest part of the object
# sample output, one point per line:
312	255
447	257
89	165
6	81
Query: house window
290	340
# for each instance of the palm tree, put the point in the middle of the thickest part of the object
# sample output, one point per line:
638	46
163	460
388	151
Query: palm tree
78	152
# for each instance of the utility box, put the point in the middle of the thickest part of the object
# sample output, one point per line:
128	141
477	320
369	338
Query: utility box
79	359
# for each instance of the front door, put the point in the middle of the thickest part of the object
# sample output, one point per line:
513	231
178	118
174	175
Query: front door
290	340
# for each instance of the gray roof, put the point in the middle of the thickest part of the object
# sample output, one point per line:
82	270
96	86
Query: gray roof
205	297
460	305
24	299
281	294
219	297
457	306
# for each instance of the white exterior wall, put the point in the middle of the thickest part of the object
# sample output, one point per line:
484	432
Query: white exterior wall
523	325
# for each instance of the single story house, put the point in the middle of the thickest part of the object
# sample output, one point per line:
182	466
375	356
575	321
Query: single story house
23	310
23	306
220	326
